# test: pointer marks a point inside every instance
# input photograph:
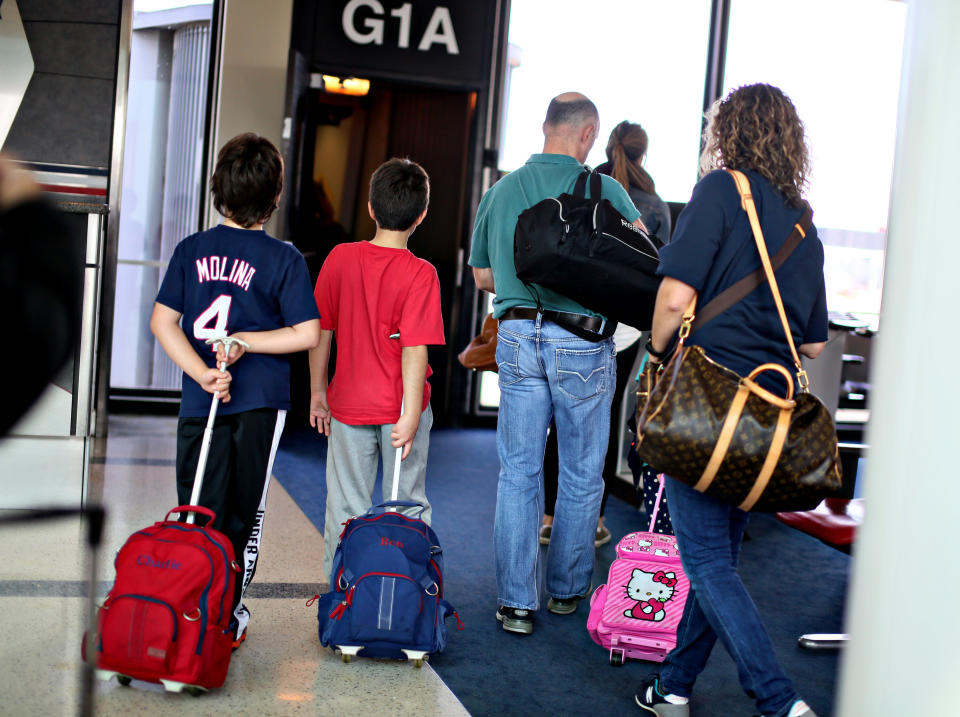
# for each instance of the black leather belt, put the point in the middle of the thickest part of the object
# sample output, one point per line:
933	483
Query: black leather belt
562	318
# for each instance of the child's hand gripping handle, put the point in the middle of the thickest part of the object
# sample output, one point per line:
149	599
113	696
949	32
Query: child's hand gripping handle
396	469
227	342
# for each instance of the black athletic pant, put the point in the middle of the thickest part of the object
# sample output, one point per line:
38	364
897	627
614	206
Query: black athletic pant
551	465
236	478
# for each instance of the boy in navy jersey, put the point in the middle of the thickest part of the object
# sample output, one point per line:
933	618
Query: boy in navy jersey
383	304
235	280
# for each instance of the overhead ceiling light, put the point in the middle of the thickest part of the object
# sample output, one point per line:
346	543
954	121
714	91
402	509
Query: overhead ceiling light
346	85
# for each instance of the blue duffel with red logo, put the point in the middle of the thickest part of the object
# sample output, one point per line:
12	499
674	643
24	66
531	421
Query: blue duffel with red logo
386	598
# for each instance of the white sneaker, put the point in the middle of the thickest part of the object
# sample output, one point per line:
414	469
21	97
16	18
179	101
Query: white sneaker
801	709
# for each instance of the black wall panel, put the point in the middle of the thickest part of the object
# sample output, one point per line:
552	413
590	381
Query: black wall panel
101	11
64	120
66	115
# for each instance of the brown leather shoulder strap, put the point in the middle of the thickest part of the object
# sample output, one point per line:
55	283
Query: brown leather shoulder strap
732	294
746	200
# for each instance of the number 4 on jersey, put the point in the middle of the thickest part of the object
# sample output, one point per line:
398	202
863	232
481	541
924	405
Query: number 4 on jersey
216	314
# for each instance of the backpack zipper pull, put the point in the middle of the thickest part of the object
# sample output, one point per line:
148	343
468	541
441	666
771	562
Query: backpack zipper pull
344	604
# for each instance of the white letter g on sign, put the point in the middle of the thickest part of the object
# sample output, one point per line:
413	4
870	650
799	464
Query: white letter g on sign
373	25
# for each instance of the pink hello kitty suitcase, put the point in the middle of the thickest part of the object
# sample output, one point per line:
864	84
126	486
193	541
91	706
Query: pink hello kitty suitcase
636	612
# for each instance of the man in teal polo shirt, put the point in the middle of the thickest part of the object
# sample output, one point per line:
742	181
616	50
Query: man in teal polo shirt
545	371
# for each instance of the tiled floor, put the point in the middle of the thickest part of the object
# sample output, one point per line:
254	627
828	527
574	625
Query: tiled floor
280	670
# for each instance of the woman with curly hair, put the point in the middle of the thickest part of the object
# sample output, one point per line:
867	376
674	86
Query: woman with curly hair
626	150
755	130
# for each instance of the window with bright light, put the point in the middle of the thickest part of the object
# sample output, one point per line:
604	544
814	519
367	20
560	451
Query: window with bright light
162	185
840	64
646	60
638	60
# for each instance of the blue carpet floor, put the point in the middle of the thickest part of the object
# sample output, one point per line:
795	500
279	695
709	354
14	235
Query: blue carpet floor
798	583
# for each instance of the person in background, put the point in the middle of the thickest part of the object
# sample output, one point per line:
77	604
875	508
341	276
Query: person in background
545	371
755	130
236	280
626	151
382	304
41	276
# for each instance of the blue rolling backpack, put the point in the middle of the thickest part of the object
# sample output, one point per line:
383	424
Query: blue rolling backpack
386	586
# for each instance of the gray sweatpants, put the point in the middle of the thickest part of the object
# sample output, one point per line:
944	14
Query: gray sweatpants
352	455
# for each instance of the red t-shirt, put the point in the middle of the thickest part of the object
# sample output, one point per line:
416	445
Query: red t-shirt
365	293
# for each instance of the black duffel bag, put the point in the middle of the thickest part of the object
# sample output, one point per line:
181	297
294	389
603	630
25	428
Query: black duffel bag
586	250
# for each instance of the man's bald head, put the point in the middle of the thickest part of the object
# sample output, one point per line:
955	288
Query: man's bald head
571	126
571	109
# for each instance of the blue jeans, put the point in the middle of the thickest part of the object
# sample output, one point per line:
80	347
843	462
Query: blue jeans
709	534
547	371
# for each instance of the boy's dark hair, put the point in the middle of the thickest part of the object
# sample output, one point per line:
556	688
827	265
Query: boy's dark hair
399	192
247	180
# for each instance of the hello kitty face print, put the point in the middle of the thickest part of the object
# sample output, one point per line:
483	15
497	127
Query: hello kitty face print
650	591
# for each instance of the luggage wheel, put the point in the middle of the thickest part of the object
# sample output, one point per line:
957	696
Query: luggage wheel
616	658
105	675
348	651
416	656
192	690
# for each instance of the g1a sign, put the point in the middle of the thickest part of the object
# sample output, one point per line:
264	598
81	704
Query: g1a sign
446	42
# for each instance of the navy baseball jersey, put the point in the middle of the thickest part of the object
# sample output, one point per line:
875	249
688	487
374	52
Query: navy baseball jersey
226	280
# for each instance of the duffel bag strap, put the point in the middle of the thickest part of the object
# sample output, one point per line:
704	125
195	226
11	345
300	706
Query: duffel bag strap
596	185
746	201
580	187
732	294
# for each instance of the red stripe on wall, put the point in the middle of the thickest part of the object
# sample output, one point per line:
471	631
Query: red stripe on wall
62	189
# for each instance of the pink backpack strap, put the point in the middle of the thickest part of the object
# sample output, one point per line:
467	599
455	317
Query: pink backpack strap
656	505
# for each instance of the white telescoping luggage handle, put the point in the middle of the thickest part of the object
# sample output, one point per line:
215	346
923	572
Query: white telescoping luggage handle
227	342
395	492
396	461
661	479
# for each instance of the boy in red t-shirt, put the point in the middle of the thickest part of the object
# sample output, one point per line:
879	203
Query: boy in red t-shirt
383	304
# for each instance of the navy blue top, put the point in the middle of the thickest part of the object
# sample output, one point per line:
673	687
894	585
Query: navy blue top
713	247
226	280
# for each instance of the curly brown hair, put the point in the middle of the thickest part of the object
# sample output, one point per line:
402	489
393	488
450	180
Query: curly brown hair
757	127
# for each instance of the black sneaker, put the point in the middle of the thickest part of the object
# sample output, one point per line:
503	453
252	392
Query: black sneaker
649	698
566	606
515	619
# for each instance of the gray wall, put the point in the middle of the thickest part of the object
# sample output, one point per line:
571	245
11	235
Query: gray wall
67	113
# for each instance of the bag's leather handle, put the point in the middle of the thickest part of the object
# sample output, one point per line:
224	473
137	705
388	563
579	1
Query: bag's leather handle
746	201
765	394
